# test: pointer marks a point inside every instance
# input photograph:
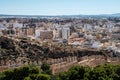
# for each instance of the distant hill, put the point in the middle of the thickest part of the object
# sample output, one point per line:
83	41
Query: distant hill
60	16
116	15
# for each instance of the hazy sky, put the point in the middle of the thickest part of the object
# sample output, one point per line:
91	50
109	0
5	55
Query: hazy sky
59	7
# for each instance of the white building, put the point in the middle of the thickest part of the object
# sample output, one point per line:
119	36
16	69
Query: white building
65	33
37	33
1	25
5	24
88	36
17	25
97	45
116	28
87	27
54	33
57	33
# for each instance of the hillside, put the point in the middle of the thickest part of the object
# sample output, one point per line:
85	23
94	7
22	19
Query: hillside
18	52
12	49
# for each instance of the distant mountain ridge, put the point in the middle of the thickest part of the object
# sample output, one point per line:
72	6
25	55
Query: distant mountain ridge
116	14
60	16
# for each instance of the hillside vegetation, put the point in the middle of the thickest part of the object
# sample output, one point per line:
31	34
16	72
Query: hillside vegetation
30	72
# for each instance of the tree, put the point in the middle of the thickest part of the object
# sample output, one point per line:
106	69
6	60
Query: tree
43	77
21	73
46	68
27	78
78	72
64	76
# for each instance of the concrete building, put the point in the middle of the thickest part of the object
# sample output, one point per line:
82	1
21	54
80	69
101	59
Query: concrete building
57	33
1	25
17	25
116	35
61	33
37	33
65	33
1	32
30	32
96	44
87	27
46	34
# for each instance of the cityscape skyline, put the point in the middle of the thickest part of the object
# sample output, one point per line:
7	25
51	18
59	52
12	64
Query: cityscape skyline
59	40
59	7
